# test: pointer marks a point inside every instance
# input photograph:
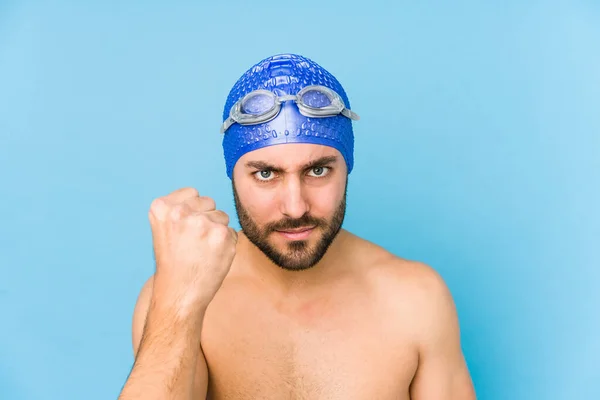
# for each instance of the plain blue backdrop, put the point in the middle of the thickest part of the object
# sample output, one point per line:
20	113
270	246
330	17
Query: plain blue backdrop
478	152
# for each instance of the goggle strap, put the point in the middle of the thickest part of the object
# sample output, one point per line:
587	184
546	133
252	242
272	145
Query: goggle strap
350	114
228	122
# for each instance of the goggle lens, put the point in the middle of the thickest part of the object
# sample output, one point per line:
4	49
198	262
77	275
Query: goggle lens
316	99
258	104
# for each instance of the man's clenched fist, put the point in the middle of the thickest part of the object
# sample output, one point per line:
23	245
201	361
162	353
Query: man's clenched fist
194	248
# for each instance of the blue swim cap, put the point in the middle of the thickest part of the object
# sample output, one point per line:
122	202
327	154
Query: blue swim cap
286	74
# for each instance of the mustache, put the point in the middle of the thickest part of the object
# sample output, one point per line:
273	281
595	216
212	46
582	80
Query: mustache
294	223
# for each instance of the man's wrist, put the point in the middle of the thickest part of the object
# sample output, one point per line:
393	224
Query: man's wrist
166	319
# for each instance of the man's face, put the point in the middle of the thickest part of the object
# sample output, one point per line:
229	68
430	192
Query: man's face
291	201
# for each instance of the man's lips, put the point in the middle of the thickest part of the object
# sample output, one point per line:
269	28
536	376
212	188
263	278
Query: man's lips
296	234
297	230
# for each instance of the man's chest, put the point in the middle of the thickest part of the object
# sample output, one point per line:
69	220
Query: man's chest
315	352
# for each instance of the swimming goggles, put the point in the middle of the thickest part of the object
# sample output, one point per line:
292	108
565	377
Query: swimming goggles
261	106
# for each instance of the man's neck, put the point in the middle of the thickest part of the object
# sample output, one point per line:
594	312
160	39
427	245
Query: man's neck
327	270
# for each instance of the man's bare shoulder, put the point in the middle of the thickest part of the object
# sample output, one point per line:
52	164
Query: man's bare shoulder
419	309
378	261
400	279
411	295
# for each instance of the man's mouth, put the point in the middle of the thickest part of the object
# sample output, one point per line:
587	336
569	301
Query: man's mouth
297	233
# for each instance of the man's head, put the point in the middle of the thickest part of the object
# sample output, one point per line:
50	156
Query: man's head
288	146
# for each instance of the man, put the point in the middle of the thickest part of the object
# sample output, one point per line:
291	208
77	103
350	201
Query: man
293	306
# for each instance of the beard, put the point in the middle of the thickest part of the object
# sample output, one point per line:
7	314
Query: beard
299	254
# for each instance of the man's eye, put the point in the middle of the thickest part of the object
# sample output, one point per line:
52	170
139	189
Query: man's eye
264	175
319	171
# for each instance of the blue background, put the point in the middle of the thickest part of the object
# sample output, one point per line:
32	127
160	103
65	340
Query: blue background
478	152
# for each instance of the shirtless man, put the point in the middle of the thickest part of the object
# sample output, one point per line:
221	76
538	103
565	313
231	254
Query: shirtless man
293	306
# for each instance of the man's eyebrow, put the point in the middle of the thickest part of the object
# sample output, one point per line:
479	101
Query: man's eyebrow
323	161
263	165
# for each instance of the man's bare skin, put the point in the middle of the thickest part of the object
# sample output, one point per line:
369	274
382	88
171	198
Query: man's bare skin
223	318
371	326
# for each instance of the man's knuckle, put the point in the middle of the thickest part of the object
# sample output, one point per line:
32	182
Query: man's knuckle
177	212
200	223
208	202
219	232
223	215
192	192
157	208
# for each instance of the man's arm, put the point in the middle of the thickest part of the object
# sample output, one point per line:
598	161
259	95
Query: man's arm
168	359
442	373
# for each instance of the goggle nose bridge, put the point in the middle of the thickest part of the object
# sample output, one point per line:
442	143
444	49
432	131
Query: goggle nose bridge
287	97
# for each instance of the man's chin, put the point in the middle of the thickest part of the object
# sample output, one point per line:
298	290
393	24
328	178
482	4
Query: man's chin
294	263
292	255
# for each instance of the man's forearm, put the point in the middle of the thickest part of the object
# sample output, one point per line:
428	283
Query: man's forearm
165	365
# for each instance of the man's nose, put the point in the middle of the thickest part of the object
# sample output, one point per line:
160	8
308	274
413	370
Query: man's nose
293	201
